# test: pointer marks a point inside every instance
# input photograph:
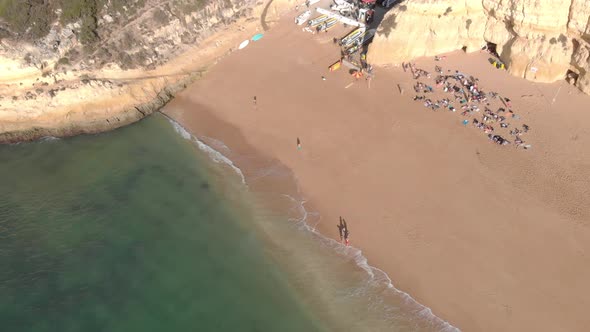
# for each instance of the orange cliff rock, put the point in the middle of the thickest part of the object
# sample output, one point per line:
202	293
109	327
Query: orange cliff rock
538	40
53	86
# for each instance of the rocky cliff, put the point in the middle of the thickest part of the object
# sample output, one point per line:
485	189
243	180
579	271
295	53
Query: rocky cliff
538	40
114	63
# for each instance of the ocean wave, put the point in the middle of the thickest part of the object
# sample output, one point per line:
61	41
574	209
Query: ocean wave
216	144
49	139
215	155
375	274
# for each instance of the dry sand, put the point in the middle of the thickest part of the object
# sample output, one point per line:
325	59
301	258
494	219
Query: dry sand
491	238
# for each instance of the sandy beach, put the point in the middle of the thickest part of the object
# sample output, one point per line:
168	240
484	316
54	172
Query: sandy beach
491	238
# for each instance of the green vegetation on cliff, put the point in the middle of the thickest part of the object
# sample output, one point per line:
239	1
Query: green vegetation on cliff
28	17
31	19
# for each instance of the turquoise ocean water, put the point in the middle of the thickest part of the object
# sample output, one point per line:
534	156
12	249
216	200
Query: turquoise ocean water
142	229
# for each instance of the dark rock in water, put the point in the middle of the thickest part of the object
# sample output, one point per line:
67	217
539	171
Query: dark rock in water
204	185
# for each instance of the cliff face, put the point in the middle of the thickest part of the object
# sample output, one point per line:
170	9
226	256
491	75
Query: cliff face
538	40
128	37
63	83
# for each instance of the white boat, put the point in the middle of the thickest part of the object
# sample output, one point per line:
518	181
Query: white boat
299	20
352	36
243	44
318	20
325	26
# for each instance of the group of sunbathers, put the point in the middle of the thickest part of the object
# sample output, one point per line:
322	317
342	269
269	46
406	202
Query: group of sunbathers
470	96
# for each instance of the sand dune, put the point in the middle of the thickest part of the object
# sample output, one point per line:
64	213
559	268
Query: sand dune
492	238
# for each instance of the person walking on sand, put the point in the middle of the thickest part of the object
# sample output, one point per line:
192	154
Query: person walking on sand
298	144
341	229
255	101
346	234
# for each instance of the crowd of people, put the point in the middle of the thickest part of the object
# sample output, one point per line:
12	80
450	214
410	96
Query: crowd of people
463	92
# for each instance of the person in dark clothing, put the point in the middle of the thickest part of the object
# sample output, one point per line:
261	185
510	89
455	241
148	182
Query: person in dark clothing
341	229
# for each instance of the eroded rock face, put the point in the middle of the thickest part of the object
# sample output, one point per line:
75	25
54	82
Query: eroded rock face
427	27
538	40
56	86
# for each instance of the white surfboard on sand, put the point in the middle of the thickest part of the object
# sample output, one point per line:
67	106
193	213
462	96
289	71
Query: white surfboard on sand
244	44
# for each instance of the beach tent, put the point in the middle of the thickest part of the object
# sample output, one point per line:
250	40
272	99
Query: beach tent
257	37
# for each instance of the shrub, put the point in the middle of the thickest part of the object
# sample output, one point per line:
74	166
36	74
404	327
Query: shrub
160	16
30	19
563	39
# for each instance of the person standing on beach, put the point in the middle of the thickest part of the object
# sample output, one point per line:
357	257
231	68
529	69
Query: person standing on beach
255	101
298	144
341	229
346	233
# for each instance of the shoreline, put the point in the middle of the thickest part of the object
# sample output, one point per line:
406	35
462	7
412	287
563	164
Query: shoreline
422	224
288	187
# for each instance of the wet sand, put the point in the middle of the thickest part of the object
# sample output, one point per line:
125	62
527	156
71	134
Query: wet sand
491	238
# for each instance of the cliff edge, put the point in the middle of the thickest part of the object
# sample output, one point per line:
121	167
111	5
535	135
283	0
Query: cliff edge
537	40
85	66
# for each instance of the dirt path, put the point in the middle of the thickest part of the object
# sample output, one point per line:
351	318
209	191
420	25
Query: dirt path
265	26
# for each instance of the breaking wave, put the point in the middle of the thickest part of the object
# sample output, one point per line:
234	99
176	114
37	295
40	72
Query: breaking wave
376	276
215	155
49	139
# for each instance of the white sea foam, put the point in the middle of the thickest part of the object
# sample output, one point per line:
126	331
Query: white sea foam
217	144
180	129
215	155
49	139
375	274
